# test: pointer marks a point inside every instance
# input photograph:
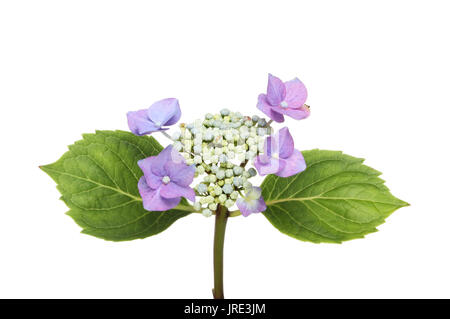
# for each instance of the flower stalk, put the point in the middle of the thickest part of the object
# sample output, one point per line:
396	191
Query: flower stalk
219	238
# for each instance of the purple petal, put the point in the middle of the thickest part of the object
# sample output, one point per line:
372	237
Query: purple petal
285	142
296	93
269	147
298	114
139	123
249	206
293	165
180	173
152	199
164	112
273	166
152	180
276	90
268	110
158	164
246	209
173	190
146	165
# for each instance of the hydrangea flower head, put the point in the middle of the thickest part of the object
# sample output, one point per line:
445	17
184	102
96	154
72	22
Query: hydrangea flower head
286	98
252	202
162	113
280	157
166	179
220	146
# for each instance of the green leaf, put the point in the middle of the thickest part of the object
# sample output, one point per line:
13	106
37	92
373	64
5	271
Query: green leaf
335	199
98	179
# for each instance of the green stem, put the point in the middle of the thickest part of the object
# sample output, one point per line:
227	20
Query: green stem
219	238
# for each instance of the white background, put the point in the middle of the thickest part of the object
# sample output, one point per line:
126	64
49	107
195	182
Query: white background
378	79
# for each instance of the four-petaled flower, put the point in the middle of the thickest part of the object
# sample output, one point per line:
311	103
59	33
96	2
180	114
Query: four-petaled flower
162	113
280	157
286	98
252	202
166	179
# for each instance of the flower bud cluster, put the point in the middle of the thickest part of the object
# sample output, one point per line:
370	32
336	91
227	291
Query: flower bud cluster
220	146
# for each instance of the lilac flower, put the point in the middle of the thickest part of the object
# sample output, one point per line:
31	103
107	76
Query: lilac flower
280	157
252	202
166	179
162	113
286	98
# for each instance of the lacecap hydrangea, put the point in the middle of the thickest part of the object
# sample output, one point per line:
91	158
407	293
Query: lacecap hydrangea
211	161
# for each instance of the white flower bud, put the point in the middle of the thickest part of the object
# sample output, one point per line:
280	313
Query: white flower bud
217	190
237	181
197	149
214	168
198	141
197	206
229	136
202	188
237	170
229	203
207	212
200	170
222	198
227	189
241	157
187	145
239	149
223	158
234	195
197	159
212	206
261	131
250	155
220	174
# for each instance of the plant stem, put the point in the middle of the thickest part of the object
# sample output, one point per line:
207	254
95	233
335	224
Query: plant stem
219	237
167	135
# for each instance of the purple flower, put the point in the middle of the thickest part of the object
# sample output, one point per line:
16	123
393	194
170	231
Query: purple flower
286	98
162	113
166	179
252	202
280	157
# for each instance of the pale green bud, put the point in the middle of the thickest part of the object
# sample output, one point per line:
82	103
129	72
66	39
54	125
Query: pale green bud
229	203
206	212
222	198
